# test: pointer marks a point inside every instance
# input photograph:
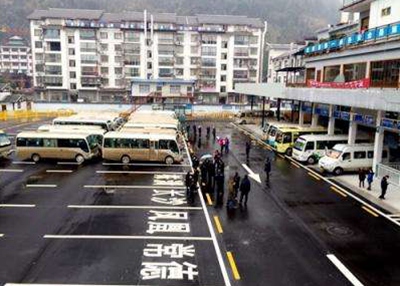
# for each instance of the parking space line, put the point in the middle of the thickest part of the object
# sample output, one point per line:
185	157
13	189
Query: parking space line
17	206
68	163
314	176
343	269
280	155
23	163
209	200
294	164
144	165
128	237
59	171
338	191
11	170
371	212
41	186
140	172
232	262
131	207
132	187
218	224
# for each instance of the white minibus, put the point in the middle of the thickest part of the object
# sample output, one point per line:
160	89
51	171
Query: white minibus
5	145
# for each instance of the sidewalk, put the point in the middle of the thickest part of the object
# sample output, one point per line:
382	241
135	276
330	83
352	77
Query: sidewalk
392	198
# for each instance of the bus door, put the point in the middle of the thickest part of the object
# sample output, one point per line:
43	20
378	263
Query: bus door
153	150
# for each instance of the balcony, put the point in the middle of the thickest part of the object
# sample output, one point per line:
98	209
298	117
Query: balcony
369	37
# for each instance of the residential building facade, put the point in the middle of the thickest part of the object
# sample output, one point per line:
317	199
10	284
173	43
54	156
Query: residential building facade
354	79
15	56
95	55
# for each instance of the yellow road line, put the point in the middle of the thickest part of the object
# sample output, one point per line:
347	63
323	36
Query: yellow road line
232	262
338	191
209	201
294	164
218	224
314	176
371	212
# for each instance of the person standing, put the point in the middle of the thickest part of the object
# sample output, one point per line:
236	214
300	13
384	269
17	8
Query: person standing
194	129
248	147
214	132
370	178
199	131
244	190
267	168
187	130
221	145
188	182
236	183
226	145
384	186
361	178
208	132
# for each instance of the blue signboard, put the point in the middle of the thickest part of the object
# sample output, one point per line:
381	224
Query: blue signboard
306	109
333	44
359	118
345	116
370	35
394	29
336	114
382	32
369	120
388	123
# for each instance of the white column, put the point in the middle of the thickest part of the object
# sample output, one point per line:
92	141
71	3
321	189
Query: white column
352	130
314	118
378	144
331	123
301	114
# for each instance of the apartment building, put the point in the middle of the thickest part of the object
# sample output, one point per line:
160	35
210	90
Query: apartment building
15	57
353	79
289	67
97	56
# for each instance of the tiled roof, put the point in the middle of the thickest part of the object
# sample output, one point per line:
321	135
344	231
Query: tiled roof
56	13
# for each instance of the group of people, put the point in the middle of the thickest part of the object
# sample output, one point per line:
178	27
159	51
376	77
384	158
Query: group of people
198	130
369	176
224	145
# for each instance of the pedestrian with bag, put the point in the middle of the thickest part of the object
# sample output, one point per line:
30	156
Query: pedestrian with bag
370	178
384	186
245	186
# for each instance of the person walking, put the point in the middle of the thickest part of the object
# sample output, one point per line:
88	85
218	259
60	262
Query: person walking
187	130
248	147
384	186
361	178
188	182
214	133
208	132
221	145
194	129
200	131
267	168
236	180
226	145
245	186
370	178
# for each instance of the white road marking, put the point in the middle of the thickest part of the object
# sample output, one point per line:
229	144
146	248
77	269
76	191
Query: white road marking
140	172
41	186
59	171
346	272
131	207
137	237
211	229
132	187
68	163
11	170
1	235
23	163
144	165
17	206
254	176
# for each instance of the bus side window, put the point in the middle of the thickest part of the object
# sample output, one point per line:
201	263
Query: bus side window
346	156
34	142
287	138
359	155
163	144
82	144
50	142
310	146
22	142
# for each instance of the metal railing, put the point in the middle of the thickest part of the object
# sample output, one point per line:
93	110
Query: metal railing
392	170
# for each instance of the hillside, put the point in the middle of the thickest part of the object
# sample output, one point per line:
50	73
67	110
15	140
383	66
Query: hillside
288	20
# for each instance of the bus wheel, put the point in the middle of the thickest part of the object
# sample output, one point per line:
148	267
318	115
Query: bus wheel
79	159
338	171
125	159
35	158
289	152
311	160
169	160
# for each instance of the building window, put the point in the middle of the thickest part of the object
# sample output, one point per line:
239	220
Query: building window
386	11
71	51
72	86
104	70
87	34
223	89
71	39
223	67
55	46
117	36
38	45
144	88
52	34
179	61
385	73
104	58
37	32
209	51
118	48
241	40
39	57
209	39
88	59
194	50
174	89
72	63
354	72
72	74
194	38
88	47
104	47
53	58
223	78
118	71
330	73
103	35
193	72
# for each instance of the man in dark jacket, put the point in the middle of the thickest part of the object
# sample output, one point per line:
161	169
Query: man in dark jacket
248	146
245	189
384	186
267	168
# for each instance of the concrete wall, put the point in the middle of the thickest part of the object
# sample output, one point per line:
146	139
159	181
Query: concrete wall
376	19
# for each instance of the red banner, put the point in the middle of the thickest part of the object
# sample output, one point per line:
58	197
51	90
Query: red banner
362	83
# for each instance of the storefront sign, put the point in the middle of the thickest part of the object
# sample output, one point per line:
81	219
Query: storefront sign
363	83
364	119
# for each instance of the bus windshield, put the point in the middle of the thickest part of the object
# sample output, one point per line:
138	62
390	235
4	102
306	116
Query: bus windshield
279	136
4	140
272	131
334	154
94	141
299	145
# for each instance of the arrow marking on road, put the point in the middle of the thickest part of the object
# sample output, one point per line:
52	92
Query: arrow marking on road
255	177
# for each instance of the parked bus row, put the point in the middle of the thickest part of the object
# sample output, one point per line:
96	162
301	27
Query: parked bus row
83	137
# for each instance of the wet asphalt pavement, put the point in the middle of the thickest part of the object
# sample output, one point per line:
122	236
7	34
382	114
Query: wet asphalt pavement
106	224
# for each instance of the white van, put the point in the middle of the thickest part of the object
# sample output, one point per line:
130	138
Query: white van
311	148
345	157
